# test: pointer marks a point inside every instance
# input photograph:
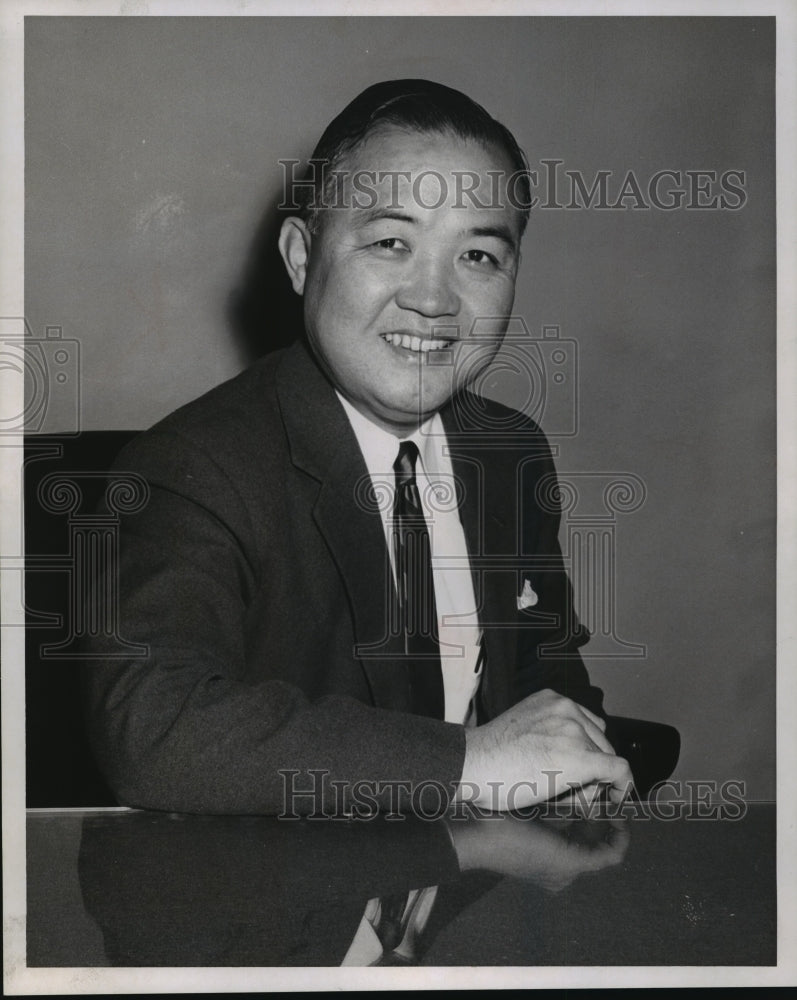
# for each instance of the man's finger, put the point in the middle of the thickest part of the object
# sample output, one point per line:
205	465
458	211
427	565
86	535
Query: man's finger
599	722
610	771
566	706
597	736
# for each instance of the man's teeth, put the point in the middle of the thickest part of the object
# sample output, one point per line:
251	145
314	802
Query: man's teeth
415	343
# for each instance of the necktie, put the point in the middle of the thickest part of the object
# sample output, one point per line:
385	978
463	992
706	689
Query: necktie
415	586
401	923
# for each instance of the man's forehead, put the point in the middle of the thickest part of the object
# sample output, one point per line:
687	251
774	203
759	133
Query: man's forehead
391	149
406	175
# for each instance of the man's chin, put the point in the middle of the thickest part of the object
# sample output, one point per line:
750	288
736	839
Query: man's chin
403	419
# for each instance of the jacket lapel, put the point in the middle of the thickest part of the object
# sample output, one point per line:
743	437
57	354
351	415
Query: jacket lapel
323	444
489	517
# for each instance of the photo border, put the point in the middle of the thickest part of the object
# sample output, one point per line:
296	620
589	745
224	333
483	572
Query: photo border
23	981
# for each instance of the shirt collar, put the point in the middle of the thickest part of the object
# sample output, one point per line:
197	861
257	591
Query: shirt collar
380	447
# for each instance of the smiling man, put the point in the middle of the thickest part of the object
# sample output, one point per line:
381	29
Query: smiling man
345	578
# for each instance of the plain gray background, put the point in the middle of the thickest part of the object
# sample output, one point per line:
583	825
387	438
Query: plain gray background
152	148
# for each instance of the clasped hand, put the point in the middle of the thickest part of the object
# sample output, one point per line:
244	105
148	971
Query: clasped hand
544	746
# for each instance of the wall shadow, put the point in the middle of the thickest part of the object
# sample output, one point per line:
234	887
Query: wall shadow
263	311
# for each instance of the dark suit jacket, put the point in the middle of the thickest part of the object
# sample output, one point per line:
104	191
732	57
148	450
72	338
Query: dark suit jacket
261	586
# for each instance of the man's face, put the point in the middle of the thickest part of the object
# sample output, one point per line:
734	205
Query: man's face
408	286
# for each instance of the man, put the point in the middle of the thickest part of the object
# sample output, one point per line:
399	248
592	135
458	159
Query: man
287	670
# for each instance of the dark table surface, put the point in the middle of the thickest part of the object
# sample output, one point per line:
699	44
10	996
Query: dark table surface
134	888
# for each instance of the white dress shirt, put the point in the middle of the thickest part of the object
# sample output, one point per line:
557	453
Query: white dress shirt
459	630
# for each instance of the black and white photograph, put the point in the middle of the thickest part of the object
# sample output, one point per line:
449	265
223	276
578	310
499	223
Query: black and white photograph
397	447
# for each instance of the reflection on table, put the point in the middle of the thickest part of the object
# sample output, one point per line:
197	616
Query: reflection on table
133	888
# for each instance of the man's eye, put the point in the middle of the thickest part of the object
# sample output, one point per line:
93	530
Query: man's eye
391	243
480	257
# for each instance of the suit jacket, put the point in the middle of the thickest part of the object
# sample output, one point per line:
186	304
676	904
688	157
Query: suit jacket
257	575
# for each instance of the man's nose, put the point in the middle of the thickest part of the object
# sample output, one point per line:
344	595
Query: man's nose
430	289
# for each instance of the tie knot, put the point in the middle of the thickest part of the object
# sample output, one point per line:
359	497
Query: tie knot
404	466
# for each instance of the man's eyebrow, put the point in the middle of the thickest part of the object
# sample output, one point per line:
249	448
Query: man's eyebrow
365	215
500	232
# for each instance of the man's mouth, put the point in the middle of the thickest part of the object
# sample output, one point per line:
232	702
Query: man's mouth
420	345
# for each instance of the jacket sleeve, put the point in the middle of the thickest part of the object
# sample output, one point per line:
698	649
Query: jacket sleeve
184	727
549	633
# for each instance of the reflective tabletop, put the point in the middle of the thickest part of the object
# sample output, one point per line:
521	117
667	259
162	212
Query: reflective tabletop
135	888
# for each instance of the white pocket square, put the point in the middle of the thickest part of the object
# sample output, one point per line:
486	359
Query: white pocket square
527	597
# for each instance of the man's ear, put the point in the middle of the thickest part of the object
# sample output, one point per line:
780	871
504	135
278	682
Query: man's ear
294	245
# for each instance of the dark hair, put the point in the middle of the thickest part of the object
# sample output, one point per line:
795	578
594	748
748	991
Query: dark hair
417	106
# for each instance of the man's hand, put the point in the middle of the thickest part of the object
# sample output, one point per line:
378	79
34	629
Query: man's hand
538	749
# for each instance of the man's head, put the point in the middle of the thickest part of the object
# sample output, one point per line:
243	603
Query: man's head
407	251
